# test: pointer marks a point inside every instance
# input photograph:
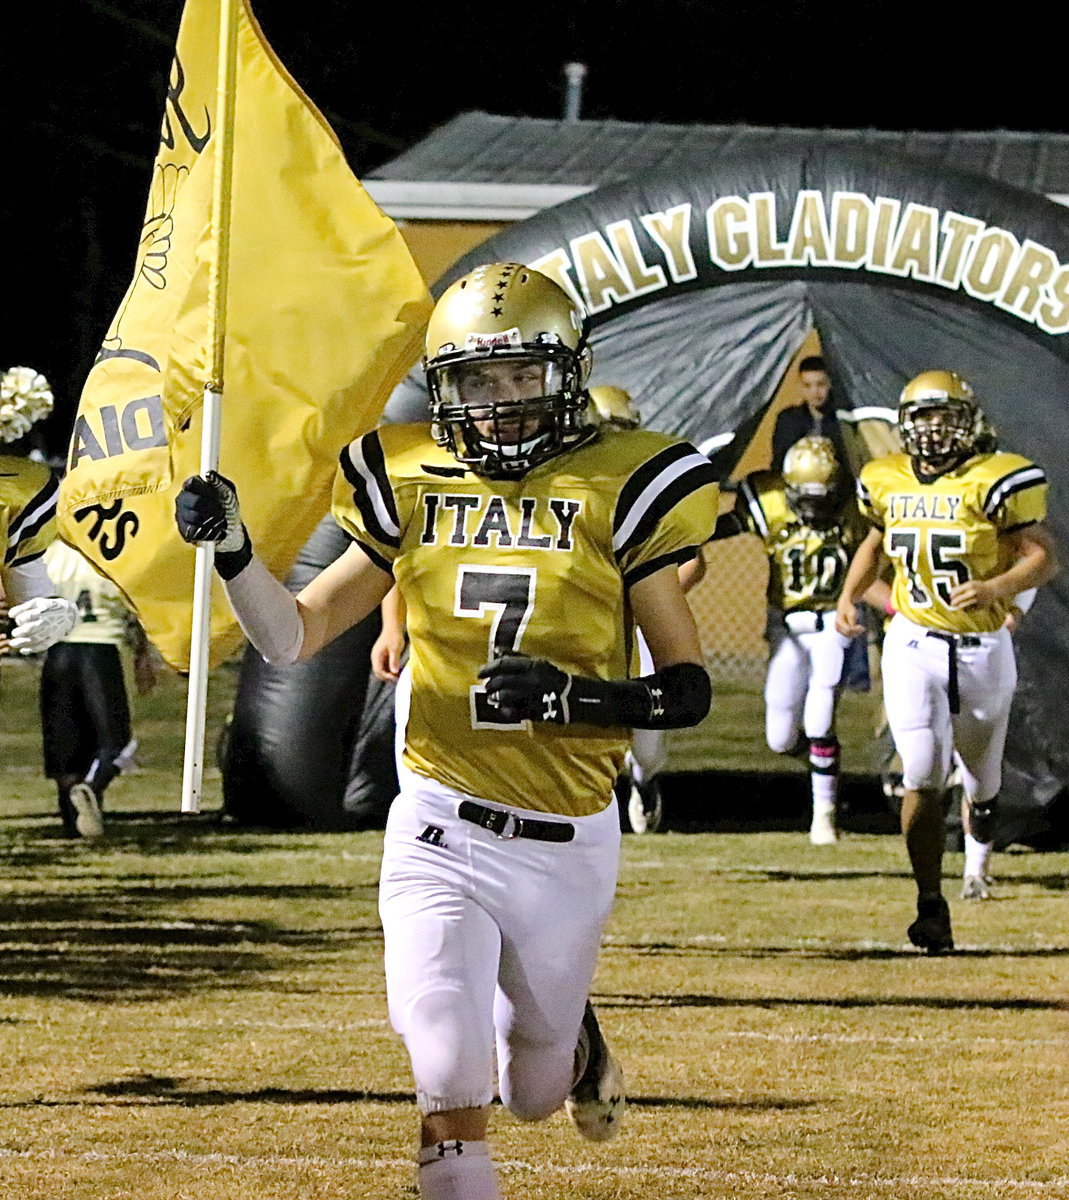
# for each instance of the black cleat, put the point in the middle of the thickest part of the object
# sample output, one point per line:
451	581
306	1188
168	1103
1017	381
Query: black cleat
931	930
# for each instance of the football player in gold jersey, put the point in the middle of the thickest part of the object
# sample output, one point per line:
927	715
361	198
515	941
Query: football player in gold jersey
28	491
809	525
527	544
963	527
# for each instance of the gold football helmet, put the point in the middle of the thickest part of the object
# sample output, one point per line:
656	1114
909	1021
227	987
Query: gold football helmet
614	407
811	479
506	363
940	421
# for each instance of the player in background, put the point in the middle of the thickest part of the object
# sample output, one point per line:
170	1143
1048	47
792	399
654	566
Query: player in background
525	542
37	617
963	528
648	754
85	713
809	525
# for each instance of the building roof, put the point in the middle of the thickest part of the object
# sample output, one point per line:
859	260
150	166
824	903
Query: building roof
479	166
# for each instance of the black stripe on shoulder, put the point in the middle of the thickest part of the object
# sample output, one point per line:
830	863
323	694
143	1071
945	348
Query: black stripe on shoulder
690	481
22	560
47	495
383	563
675	557
35	526
1016	528
371	487
1017	480
644	476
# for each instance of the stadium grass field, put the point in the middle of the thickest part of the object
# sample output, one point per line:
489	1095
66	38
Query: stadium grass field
193	1010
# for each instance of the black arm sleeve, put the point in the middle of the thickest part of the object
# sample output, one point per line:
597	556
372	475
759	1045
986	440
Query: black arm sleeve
674	698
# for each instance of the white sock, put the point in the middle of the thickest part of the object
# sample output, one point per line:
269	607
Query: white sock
976	855
823	792
457	1170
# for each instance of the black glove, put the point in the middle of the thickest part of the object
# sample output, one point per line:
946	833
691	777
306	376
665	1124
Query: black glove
206	510
527	689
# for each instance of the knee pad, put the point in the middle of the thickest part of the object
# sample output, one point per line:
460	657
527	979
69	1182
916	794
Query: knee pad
796	749
824	756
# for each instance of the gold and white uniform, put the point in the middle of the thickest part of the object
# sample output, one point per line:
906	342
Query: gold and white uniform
806	570
947	532
28	494
807	566
949	674
491	941
538	565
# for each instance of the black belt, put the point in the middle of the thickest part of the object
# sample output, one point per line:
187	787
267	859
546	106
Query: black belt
953	641
507	825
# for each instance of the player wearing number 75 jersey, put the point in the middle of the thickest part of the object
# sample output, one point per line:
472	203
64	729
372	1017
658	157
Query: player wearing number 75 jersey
526	543
963	529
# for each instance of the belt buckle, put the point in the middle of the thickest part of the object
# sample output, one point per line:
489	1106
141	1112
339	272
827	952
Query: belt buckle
506	834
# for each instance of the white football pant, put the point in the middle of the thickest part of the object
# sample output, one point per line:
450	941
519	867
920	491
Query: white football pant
805	666
490	941
916	675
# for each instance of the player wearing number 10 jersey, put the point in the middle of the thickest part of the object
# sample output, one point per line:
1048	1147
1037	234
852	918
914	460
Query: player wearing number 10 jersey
809	525
962	527
527	544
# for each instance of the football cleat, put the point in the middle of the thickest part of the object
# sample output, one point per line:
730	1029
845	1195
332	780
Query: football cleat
88	819
596	1103
976	887
822	831
931	930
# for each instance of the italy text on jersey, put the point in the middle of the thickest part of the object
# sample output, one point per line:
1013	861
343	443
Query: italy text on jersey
536	565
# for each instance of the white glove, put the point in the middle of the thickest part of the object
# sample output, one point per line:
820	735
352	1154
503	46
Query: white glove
40	622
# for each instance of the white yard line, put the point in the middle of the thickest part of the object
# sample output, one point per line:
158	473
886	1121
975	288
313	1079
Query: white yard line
1039	1187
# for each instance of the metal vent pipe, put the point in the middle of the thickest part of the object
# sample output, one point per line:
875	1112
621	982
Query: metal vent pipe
574	74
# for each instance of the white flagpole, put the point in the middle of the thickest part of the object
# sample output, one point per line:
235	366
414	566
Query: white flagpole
211	413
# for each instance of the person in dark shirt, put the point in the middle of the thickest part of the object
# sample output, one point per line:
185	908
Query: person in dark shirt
814	417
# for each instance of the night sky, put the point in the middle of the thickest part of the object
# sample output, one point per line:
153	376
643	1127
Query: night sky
82	94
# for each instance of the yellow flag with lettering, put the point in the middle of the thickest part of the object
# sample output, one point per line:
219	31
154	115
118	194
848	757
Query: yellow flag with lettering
325	310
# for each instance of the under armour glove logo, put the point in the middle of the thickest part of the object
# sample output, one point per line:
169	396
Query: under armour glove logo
527	689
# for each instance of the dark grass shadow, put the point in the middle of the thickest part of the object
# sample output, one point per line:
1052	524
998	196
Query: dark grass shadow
948	1003
123	944
829	953
167	1091
164	1091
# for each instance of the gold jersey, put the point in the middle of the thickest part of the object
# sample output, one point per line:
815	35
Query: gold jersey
28	493
806	565
539	566
946	532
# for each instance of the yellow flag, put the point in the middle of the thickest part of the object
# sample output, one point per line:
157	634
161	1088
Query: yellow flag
324	312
